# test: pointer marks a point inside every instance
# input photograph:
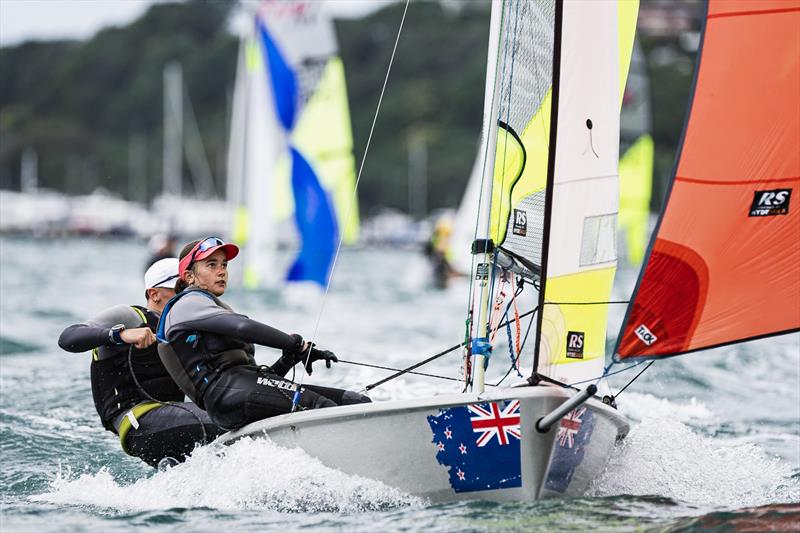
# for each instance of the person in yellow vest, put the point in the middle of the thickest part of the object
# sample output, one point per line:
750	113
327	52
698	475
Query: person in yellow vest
437	250
133	393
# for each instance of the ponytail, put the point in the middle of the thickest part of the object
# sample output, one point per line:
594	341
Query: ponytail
181	285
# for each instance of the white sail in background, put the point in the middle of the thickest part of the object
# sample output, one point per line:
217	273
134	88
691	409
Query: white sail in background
290	134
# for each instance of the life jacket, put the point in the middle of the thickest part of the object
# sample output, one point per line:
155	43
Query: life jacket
195	359
114	389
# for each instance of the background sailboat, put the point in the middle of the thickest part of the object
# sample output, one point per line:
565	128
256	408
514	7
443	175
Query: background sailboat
636	159
290	155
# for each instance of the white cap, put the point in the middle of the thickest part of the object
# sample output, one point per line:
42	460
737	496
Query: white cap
162	273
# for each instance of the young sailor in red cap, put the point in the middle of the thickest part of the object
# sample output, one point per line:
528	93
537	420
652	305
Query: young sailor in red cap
127	375
208	347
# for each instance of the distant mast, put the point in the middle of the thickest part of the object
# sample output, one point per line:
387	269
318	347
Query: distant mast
29	171
173	129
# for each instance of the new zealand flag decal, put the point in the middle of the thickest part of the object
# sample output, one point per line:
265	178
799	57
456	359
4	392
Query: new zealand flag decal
480	445
574	434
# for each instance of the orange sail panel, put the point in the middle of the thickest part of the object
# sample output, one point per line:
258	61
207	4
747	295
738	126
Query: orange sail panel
724	265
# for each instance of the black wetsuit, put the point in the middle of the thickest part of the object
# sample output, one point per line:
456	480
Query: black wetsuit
210	355
151	431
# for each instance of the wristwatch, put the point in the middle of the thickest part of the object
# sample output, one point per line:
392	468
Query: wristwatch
115	334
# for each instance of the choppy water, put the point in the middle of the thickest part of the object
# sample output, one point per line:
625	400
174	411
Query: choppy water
714	444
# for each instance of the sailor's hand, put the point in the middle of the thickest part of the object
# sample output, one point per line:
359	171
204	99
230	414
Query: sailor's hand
319	355
139	337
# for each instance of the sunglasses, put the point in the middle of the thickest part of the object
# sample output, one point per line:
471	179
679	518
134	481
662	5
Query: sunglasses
168	278
202	246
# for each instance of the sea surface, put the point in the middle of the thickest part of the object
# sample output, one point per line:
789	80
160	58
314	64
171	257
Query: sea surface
714	441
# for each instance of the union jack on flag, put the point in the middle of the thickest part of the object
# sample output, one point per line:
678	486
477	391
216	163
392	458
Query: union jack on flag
490	421
570	426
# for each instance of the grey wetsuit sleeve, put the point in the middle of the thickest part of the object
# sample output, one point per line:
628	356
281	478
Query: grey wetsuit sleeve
94	333
244	329
200	313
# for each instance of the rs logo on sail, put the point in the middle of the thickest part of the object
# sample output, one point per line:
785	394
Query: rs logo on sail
520	223
645	335
770	203
575	344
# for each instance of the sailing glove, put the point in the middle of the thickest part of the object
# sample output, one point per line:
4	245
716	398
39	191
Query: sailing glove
297	354
318	355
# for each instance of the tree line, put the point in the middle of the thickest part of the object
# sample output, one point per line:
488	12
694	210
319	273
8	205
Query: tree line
93	110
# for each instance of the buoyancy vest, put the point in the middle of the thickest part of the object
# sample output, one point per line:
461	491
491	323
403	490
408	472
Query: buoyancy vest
195	359
113	388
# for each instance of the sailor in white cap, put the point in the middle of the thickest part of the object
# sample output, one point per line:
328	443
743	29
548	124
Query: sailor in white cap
133	393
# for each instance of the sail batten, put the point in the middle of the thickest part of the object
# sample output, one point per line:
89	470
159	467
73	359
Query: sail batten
724	264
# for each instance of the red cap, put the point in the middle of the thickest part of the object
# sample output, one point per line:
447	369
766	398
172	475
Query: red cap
205	248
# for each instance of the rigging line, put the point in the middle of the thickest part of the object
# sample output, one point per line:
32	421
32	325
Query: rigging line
462	344
147	395
488	136
634	379
512	62
355	191
356	363
605	375
432	358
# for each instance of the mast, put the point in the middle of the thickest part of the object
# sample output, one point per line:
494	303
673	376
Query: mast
484	255
173	128
551	165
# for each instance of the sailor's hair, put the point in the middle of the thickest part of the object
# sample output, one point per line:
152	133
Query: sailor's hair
181	285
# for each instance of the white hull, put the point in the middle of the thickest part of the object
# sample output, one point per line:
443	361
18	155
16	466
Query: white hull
398	443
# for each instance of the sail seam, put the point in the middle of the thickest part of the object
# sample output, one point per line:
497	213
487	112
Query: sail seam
587	178
732	182
755	12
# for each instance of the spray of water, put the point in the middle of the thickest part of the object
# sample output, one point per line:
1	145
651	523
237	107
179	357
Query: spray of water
251	474
664	456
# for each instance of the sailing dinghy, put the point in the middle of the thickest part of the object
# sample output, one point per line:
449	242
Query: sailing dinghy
723	265
550	148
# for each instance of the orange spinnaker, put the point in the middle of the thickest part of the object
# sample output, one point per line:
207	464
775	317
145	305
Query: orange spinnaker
725	263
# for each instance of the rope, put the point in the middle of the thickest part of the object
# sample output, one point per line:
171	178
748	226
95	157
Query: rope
147	395
466	342
634	379
352	202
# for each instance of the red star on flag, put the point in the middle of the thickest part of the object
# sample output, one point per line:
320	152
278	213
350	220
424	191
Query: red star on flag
463	449
460	474
440	446
448	433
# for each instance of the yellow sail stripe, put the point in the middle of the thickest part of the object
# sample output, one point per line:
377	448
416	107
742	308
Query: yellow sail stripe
558	320
636	184
241	225
508	185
